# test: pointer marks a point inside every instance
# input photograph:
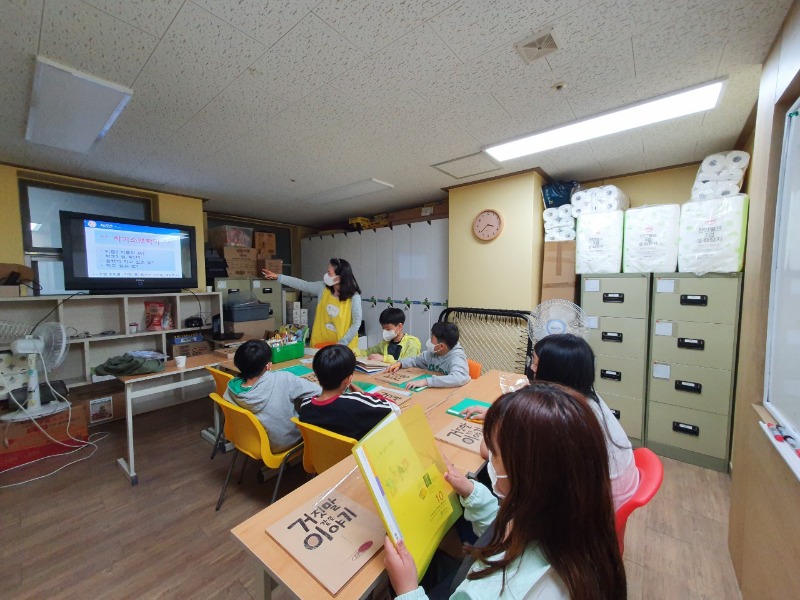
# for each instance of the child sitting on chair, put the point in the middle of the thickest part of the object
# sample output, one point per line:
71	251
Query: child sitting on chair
347	412
270	395
443	355
396	342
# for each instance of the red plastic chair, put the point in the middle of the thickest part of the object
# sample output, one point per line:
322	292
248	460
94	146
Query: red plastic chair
651	474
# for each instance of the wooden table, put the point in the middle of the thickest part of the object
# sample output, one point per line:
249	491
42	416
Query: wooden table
277	567
193	363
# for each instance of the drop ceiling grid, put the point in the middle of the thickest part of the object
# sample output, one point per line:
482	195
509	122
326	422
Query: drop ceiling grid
374	25
91	41
152	16
242	105
297	64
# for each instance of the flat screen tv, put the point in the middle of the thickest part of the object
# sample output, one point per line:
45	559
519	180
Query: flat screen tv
106	255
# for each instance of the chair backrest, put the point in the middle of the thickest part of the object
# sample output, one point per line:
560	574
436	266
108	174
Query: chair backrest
322	448
244	431
651	474
474	368
221	379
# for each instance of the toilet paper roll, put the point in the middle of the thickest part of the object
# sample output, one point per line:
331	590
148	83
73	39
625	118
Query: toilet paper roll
737	159
726	188
550	214
712	235
732	174
581	198
569	235
599	243
651	239
565	210
713	163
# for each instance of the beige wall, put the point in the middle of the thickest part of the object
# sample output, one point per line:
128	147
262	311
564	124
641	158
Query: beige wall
506	272
667	186
180	210
764	531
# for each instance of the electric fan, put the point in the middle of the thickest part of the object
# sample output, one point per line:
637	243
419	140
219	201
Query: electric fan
49	344
557	316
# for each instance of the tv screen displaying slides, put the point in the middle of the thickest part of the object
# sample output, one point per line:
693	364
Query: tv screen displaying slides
107	254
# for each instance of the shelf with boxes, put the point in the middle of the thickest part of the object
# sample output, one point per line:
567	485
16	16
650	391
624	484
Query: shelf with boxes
110	325
245	252
693	342
238	290
617	307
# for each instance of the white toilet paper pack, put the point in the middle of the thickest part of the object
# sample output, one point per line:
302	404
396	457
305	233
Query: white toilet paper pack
712	235
598	246
651	239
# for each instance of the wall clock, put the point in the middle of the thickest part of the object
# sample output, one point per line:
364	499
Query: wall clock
487	225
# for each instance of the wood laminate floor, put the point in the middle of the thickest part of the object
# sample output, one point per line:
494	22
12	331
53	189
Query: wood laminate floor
87	533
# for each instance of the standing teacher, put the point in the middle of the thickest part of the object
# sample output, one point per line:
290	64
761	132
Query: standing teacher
338	315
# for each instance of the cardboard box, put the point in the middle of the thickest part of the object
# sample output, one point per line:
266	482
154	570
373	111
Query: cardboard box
251	329
558	271
234	253
24	442
104	401
230	235
11	291
265	243
188	349
292	306
270	264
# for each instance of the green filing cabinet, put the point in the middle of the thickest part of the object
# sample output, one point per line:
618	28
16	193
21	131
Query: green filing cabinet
694	336
617	307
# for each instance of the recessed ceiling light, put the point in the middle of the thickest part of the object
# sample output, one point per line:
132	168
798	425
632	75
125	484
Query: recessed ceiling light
687	102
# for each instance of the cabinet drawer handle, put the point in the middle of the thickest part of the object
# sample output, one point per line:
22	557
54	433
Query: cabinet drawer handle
688	386
614	297
611	336
612	375
616	413
266	290
691	344
685	428
694	300
233	290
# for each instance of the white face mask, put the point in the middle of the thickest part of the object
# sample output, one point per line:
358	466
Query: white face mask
429	345
493	476
389	334
329	281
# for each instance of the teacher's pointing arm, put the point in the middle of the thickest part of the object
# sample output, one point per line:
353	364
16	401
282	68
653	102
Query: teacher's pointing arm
309	287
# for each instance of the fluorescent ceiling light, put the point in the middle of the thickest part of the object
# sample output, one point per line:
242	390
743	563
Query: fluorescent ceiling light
683	103
71	110
351	190
35	226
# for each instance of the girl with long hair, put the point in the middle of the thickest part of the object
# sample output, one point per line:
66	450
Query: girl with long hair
551	535
338	315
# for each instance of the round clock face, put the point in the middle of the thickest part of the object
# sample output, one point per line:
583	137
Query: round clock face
487	225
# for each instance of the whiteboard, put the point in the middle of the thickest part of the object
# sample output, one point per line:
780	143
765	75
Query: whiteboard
782	377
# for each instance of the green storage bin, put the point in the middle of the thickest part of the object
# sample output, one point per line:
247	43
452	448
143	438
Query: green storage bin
288	352
616	295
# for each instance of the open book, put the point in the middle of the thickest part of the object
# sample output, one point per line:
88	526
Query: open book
370	366
404	472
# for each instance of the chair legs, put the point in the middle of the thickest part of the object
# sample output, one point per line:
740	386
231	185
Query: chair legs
289	455
244	466
228	478
221	421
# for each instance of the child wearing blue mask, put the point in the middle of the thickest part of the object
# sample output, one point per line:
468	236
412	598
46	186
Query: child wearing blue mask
443	355
396	344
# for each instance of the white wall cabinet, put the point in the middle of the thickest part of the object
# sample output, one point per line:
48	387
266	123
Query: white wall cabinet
404	262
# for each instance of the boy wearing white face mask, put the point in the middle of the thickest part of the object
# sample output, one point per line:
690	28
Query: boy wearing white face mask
443	355
396	344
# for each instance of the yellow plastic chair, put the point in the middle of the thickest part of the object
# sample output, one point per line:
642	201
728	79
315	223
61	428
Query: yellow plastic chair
249	437
221	379
475	368
323	448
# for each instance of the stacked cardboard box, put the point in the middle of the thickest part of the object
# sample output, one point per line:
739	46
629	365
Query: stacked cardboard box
558	271
229	235
241	261
104	401
296	315
265	244
188	349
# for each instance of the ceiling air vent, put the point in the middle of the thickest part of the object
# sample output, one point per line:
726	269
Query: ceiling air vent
536	46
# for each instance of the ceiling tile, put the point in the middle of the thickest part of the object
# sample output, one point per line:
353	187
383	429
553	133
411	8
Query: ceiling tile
310	55
152	16
265	21
374	25
241	104
93	42
324	109
19	27
473	28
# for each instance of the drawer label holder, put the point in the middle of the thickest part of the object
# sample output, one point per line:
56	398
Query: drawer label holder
611	336
691	344
685	428
612	375
616	297
694	300
688	386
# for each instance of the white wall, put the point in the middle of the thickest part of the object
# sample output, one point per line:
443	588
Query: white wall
403	263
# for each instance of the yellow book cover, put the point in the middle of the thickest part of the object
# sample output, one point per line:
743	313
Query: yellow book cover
404	471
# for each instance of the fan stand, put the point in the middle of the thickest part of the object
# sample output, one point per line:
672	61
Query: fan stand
34	408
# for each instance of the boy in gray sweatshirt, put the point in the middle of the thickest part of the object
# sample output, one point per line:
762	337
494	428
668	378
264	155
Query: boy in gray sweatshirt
271	395
443	355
